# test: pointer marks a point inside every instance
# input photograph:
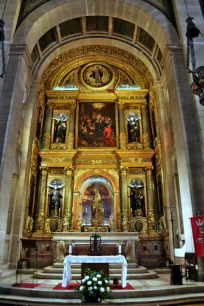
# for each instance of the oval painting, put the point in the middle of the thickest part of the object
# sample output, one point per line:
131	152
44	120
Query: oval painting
138	226
53	226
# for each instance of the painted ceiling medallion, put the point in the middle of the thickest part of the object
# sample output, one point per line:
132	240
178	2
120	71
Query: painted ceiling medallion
97	76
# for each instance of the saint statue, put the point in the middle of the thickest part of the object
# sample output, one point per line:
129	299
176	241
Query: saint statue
55	202
137	200
60	128
133	128
97	74
97	209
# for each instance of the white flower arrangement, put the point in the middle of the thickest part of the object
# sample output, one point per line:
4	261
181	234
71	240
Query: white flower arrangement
94	286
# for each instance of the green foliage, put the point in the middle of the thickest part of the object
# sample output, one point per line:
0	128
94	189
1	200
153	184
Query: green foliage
94	286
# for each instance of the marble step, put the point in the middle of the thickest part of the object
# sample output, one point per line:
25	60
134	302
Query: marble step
148	275
51	269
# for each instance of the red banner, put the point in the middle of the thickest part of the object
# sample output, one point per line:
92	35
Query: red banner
197	224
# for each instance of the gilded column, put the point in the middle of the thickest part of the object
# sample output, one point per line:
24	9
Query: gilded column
48	126
39	223
68	214
124	202
150	200
145	127
70	139
122	125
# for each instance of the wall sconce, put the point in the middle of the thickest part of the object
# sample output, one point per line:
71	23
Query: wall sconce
197	87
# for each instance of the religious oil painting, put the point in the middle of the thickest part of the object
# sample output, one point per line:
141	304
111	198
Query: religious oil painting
97	125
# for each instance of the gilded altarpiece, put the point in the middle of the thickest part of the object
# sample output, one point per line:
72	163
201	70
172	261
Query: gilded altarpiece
98	142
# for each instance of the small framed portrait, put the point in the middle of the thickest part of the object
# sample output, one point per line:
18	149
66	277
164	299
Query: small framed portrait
96	124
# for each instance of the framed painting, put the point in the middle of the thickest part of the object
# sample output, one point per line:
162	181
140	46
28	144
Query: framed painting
96	124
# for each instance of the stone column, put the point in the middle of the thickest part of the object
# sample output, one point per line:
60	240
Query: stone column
48	126
122	125
68	214
152	98
70	138
124	201
10	116
186	131
39	222
150	200
145	127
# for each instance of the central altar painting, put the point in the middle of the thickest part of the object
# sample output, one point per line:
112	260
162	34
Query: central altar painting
97	125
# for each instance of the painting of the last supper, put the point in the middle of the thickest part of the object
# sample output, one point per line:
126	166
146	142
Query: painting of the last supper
96	125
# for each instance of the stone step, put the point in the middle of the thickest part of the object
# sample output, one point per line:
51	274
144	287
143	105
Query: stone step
148	275
51	269
167	295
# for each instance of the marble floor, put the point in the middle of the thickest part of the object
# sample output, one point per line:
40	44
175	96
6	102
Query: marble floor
47	285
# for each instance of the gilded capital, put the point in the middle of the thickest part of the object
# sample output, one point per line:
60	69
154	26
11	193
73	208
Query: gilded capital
149	170
43	170
72	106
50	106
123	170
121	105
68	170
143	106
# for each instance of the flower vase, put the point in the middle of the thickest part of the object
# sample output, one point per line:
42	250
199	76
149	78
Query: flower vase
91	299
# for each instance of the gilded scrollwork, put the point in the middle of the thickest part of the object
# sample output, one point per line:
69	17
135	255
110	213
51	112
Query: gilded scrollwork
111	223
163	223
46	141
40	220
134	146
59	146
146	140
67	221
96	162
151	221
70	141
110	51
79	224
78	173
125	221
114	173
122	141
47	226
28	227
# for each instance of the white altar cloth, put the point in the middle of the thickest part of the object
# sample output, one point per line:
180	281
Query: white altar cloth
93	259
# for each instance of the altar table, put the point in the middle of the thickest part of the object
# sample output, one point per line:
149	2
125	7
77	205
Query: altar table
93	259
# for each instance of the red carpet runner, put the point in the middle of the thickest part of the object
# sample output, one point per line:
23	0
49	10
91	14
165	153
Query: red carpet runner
72	286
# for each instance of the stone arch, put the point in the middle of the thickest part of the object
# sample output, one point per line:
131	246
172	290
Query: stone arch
153	21
148	61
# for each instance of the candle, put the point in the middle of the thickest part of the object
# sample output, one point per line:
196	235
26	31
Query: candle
70	249
119	249
86	209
